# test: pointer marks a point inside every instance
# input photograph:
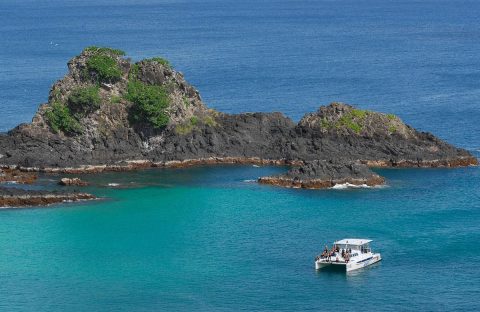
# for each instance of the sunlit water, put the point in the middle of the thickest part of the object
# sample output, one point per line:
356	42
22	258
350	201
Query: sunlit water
210	238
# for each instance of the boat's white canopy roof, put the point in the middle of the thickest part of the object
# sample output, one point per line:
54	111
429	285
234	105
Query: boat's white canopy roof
353	241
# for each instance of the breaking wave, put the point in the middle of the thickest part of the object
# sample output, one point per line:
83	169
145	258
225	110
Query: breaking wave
345	186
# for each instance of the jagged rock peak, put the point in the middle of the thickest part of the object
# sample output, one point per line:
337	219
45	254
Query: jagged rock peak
103	88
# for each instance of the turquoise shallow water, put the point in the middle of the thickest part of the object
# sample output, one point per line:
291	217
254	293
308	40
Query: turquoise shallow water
210	239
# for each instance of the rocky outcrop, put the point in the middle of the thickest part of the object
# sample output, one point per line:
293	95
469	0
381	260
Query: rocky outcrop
72	182
16	176
319	174
13	197
110	114
269	136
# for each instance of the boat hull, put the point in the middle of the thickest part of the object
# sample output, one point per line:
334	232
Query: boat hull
319	265
363	263
351	266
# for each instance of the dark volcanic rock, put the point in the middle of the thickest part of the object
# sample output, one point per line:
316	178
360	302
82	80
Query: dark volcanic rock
14	197
322	174
197	135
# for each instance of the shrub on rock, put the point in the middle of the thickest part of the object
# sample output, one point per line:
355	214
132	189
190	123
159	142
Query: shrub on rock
160	60
103	68
103	50
150	104
59	118
84	100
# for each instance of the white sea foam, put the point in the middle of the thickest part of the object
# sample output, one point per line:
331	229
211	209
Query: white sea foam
249	181
345	186
256	166
113	184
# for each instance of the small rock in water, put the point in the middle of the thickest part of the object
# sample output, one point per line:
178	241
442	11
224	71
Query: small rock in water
72	182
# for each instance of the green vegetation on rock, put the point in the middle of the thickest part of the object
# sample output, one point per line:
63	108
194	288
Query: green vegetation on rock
56	94
349	122
84	100
194	120
324	123
391	116
187	127
103	50
133	73
59	119
210	121
186	102
105	68
353	120
192	124
392	129
150	103
159	60
115	99
358	113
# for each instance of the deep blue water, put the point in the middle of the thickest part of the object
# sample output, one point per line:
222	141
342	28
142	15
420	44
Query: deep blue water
207	238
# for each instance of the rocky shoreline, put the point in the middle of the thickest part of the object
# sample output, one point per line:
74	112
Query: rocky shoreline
14	197
108	114
320	174
16	175
145	164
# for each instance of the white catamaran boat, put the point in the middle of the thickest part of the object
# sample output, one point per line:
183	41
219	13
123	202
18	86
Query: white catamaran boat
352	253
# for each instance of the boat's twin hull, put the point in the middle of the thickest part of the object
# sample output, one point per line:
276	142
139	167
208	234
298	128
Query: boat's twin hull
366	262
351	266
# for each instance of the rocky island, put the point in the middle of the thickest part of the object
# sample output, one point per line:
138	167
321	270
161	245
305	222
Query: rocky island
108	113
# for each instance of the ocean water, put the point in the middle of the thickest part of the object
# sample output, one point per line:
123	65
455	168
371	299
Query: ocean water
210	238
